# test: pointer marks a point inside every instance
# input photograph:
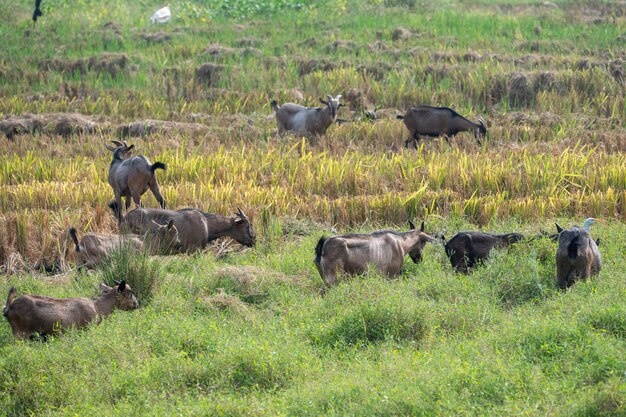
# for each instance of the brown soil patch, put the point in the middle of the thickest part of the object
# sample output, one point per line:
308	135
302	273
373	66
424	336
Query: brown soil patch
401	34
254	283
378	46
248	42
109	63
217	50
223	301
311	65
275	61
63	124
148	127
357	99
520	90
155	37
616	69
545	81
376	71
209	74
542	119
310	42
472	56
341	45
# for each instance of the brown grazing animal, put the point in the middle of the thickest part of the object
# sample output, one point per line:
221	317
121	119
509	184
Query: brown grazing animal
577	256
195	228
385	249
466	249
95	248
438	121
237	227
306	121
30	315
130	177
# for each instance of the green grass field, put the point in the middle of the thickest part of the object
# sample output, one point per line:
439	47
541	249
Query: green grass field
234	331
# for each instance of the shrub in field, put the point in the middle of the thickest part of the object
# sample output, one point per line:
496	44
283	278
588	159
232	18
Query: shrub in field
372	322
523	273
252	285
140	271
611	320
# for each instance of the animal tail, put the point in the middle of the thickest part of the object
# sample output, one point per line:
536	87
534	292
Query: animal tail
318	249
157	165
12	292
274	105
572	248
74	238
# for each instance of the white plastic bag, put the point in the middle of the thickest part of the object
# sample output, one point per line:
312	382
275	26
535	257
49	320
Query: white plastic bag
162	15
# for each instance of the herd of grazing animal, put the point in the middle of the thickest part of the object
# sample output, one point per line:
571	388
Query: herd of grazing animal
163	231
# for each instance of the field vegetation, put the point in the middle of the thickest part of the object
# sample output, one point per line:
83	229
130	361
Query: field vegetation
244	331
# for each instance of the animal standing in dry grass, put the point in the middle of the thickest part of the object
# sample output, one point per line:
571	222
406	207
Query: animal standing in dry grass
467	249
195	228
385	249
577	256
306	121
30	315
130	177
438	121
95	248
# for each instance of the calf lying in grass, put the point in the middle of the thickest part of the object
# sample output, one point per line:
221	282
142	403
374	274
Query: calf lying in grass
30	315
95	248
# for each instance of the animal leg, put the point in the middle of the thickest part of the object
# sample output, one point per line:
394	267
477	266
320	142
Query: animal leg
414	139
154	187
118	208
136	199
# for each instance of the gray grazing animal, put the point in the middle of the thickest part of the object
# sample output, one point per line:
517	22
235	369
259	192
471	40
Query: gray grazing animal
577	256
385	249
306	121
95	248
467	249
195	228
438	121
130	177
30	315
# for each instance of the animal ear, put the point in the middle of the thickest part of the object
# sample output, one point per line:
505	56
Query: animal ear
121	287
559	229
598	242
422	226
239	220
411	225
109	147
170	224
128	149
105	288
323	102
338	97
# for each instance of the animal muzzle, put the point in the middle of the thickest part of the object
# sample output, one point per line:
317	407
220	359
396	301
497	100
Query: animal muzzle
416	257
